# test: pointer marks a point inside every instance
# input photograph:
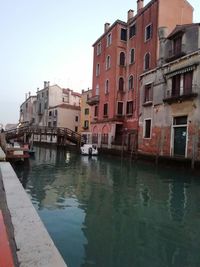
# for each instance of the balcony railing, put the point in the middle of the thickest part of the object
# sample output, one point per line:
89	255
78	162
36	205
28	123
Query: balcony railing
93	100
176	54
187	95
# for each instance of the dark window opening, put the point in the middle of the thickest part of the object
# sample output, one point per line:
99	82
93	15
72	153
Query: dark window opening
132	56
148	93
105	109
147	61
132	31
147	133
96	111
187	83
121	84
182	120
129	107
148	32
123	34
76	118
86	111
122	59
130	82
120	108
176	85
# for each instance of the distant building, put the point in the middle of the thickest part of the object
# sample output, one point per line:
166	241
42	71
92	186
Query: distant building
28	111
85	125
169	122
121	54
55	106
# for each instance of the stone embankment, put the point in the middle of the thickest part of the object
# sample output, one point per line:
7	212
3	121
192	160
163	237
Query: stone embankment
32	243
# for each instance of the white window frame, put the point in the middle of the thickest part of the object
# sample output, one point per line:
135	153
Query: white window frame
145	32
144	128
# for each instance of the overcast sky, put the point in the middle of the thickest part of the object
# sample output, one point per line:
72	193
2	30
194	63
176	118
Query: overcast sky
51	40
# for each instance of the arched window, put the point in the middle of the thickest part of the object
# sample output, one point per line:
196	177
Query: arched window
130	82
122	59
108	62
121	84
132	56
106	87
147	61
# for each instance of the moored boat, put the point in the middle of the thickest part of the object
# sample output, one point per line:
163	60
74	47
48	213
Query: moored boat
89	149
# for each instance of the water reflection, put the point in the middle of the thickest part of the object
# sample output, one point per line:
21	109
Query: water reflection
104	212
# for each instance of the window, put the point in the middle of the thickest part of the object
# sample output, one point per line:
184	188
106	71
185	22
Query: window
132	31
107	62
130	82
129	108
123	34
96	109
97	89
76	118
182	120
148	32
176	82
97	69
147	129
105	109
98	49
187	83
50	113
86	124
106	87
86	111
55	112
49	124
122	59
76	129
147	61
121	84
177	45
148	93
109	39
132	56
66	98
120	108
54	123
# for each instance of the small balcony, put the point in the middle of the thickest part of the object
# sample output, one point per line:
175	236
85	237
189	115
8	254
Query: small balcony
175	54
177	98
93	100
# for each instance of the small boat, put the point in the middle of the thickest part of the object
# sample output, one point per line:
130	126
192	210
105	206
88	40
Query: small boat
89	149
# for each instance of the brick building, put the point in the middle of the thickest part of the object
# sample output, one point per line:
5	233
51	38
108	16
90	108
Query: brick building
121	54
169	122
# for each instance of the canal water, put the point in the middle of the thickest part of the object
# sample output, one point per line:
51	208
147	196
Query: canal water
108	212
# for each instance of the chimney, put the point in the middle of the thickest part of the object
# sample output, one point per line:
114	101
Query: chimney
26	96
140	4
48	83
29	94
45	84
106	26
38	89
130	14
162	33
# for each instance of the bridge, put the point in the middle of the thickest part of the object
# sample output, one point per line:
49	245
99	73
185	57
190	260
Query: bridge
63	134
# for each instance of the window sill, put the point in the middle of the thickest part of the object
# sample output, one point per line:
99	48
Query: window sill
129	115
146	104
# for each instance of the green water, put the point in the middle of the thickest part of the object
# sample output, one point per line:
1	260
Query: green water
104	212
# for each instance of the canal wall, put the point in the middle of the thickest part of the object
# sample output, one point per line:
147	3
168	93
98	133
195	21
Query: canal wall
34	246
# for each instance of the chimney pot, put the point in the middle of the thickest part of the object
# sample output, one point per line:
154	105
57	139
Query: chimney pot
130	14
45	84
106	26
140	4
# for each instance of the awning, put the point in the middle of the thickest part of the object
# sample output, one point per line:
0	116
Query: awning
180	71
